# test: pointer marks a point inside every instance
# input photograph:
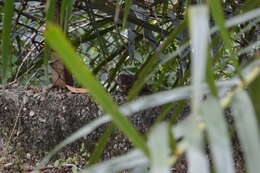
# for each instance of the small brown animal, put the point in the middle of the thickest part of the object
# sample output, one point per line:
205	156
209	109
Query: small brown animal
126	81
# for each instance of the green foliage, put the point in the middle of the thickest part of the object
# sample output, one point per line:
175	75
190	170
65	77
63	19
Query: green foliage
59	43
96	155
247	129
152	43
218	15
6	41
255	96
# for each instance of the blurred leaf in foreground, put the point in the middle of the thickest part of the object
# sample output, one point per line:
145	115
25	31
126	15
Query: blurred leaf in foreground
247	130
65	50
255	97
217	132
159	146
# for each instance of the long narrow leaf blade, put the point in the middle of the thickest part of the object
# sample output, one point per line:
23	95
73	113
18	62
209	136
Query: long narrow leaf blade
198	17
6	43
255	97
129	160
159	146
147	70
247	130
218	136
50	13
100	146
66	9
218	15
198	23
126	11
197	159
65	50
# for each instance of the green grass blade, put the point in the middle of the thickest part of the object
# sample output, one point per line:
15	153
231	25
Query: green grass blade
66	9
79	70
247	130
239	19
152	62
129	160
128	3
159	144
164	111
217	132
96	155
251	4
50	10
199	18
218	15
193	140
198	23
50	13
210	79
6	41
255	97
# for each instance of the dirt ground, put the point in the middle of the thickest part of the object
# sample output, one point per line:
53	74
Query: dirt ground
43	119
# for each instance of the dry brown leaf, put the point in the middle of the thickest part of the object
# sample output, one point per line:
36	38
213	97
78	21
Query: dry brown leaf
76	90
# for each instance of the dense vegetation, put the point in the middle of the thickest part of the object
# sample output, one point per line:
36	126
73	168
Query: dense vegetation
201	53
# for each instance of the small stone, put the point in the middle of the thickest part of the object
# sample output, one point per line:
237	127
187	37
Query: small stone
25	99
42	99
8	165
31	113
28	155
42	120
64	108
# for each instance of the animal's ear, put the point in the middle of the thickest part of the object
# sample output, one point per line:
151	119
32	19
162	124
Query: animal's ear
60	76
125	81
